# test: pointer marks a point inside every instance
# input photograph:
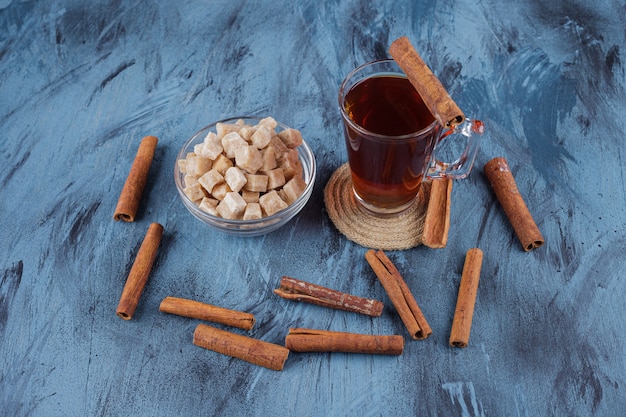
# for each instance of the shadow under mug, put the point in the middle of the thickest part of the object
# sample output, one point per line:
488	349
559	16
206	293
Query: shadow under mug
392	138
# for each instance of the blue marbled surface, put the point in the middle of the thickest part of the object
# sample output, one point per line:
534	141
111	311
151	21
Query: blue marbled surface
82	82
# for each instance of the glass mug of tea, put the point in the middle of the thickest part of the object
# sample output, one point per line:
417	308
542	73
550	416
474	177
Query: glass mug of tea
391	137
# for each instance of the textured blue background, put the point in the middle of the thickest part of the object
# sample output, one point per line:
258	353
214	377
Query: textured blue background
82	82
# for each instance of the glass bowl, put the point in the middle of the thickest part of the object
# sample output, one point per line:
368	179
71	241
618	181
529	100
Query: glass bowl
254	227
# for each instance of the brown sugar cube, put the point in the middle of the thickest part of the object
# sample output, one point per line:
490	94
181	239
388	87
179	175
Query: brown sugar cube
182	165
281	194
269	159
293	189
269	121
292	138
235	179
278	145
198	165
198	150
220	191
299	169
222	163
210	180
248	158
232	206
252	212
209	205
246	132
290	163
212	146
271	203
256	183
195	192
262	137
190	180
223	129
275	178
231	142
250	196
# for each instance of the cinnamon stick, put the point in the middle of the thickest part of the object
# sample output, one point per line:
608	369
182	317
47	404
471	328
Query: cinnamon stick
428	86
251	350
207	312
139	272
399	294
437	221
466	300
130	197
310	340
499	175
295	289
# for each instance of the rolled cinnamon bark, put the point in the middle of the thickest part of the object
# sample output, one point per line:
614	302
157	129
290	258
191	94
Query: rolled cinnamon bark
466	300
310	340
139	272
428	86
251	350
437	221
399	294
207	312
295	289
130	197
504	186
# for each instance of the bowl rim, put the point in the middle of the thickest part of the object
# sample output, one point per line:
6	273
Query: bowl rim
304	150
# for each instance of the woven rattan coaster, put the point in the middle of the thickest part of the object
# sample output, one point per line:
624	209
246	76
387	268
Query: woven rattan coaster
394	232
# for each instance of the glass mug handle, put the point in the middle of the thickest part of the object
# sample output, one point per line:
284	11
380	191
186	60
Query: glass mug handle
472	130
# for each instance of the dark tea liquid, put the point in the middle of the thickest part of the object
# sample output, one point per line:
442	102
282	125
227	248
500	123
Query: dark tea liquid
387	172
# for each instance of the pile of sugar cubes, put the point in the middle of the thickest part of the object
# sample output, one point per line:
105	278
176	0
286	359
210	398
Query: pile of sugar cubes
243	171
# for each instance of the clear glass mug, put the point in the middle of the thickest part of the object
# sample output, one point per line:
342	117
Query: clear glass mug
392	138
